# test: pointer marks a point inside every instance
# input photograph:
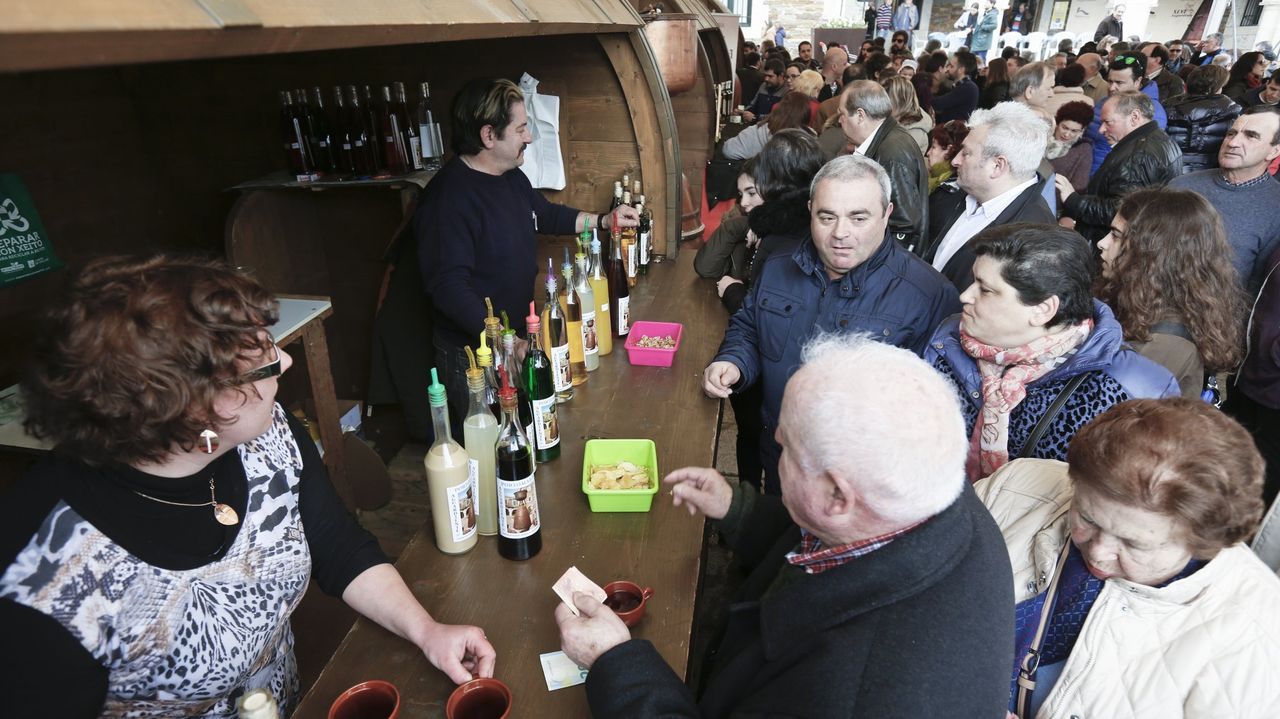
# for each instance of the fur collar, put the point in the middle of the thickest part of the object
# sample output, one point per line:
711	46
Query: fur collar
786	215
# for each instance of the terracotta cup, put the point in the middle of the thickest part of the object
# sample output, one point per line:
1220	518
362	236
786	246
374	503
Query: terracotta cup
627	600
479	699
374	699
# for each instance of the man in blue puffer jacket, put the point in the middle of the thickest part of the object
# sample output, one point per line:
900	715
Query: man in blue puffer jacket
846	276
1029	329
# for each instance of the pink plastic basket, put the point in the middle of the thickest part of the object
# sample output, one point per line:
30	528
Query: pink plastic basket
648	356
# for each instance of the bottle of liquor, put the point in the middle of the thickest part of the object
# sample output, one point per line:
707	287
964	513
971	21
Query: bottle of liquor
522	394
619	295
573	318
449	480
479	436
322	139
555	337
590	328
626	183
600	288
629	253
617	196
484	358
542	393
343	143
644	232
635	191
493	331
373	128
428	130
361	141
408	128
303	108
395	156
257	704
294	135
520	523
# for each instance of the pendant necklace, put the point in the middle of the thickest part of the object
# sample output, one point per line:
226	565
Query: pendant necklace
225	515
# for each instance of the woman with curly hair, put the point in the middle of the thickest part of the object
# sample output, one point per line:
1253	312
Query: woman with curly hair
907	111
945	141
151	564
1167	275
1068	151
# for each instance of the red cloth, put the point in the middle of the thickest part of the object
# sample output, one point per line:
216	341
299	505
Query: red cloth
813	558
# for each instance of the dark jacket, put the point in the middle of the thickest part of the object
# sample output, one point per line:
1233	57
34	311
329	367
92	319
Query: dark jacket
1259	376
780	224
893	295
958	104
900	156
1028	206
725	252
1237	89
1118	374
1109	26
918	628
749	79
1169	85
1198	124
993	93
1254	97
1144	158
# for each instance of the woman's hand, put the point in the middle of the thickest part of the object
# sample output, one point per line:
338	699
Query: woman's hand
460	651
752	240
1065	188
723	284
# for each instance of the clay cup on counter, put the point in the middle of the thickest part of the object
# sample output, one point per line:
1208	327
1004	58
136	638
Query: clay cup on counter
482	698
374	699
627	600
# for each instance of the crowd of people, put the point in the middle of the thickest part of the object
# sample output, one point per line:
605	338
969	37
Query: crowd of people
1082	250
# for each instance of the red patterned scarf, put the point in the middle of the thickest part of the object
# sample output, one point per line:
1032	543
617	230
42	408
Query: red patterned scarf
1006	372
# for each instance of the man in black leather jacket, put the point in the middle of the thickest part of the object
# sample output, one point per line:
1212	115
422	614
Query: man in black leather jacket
1142	155
865	117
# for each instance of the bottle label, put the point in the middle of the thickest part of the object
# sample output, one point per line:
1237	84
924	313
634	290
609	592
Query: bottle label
518	508
590	344
429	134
560	370
346	146
644	248
604	313
631	260
545	424
417	152
624	315
462	504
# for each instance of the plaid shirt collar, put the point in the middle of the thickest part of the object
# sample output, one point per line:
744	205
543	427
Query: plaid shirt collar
813	558
1265	176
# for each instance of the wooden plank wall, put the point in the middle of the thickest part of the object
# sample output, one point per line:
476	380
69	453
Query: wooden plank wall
137	158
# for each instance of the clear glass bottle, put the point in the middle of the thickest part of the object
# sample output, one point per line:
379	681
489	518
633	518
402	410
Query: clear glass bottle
555	337
484	358
479	436
590	327
428	130
520	522
408	128
572	305
449	480
514	372
600	288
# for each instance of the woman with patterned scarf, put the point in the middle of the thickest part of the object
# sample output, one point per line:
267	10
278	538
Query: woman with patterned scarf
1033	356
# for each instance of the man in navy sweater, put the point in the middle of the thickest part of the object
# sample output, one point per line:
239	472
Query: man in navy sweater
477	222
958	104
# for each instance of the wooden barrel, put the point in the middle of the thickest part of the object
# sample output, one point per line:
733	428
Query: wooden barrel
690	211
674	39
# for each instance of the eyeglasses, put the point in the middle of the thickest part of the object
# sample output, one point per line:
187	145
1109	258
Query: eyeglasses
270	369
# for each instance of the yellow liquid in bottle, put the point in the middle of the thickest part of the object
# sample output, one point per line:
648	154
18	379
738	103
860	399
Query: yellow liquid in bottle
604	320
573	318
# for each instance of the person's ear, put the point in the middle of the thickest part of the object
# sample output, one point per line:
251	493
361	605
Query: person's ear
1044	312
838	493
488	137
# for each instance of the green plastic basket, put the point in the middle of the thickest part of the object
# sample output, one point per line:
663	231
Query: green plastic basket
640	452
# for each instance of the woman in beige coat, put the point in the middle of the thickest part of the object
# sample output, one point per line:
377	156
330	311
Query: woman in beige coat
1136	597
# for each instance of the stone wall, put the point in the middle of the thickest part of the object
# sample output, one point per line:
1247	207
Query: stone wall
799	17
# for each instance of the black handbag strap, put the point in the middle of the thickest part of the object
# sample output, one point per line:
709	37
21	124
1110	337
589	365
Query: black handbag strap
1049	414
1177	329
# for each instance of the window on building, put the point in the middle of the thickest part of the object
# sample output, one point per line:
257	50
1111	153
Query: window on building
1252	12
742	8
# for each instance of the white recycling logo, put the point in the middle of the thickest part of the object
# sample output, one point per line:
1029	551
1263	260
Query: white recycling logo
11	219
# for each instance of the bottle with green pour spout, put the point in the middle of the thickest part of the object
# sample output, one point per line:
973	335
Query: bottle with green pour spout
450	483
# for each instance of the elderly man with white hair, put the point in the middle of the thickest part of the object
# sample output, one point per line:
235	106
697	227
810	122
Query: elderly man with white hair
996	171
876	586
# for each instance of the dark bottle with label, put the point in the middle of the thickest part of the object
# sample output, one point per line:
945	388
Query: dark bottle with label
362	145
408	128
395	156
373	126
322	135
343	146
519	521
303	107
293	135
619	294
541	390
428	130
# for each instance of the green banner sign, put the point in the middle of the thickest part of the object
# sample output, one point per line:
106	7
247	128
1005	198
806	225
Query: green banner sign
24	247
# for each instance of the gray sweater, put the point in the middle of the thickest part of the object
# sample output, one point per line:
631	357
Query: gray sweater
1249	216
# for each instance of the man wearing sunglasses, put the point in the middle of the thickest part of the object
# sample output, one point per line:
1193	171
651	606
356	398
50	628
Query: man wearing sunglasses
1127	74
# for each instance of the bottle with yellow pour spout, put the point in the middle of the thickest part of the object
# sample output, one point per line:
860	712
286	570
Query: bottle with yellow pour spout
493	333
600	288
479	435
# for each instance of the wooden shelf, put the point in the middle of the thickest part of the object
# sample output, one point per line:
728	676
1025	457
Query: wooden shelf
285	181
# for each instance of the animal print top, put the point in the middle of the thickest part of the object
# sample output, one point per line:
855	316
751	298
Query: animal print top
182	643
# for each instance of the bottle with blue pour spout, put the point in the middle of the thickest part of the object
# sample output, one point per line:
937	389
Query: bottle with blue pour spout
450	483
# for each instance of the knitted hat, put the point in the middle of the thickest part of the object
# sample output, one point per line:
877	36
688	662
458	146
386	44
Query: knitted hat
910	64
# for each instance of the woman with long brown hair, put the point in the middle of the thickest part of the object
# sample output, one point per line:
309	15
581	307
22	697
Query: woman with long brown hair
907	111
1167	275
791	112
996	88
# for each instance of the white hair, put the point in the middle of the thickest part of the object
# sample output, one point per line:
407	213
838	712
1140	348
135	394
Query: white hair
847	168
906	465
1016	133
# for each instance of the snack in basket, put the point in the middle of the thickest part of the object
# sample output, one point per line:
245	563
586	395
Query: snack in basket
665	342
623	475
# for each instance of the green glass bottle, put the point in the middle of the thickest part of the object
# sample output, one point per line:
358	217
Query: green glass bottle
542	392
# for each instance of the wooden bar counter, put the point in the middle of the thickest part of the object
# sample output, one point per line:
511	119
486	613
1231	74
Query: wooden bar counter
513	601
